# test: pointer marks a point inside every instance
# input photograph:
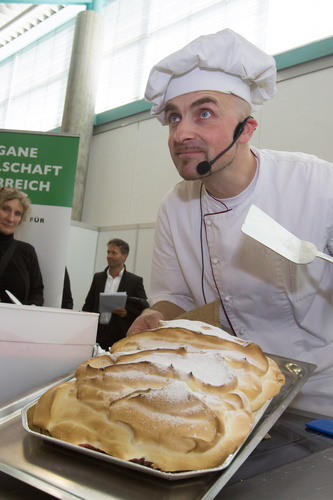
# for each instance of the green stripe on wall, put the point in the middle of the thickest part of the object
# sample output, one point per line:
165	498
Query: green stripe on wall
130	109
305	53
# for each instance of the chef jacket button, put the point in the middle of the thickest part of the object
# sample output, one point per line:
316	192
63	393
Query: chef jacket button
208	222
242	331
227	298
215	261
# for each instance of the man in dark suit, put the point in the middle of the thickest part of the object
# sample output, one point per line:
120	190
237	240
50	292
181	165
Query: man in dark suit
115	278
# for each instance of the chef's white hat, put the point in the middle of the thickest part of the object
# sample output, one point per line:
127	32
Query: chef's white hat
225	62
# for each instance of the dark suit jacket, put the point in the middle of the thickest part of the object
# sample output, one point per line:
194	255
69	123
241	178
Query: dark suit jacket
136	301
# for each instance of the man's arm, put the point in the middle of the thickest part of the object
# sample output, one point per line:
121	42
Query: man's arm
139	290
150	317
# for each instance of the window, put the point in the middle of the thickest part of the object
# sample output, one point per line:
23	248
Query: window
34	82
138	33
141	32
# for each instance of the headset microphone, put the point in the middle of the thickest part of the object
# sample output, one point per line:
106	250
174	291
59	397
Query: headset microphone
204	166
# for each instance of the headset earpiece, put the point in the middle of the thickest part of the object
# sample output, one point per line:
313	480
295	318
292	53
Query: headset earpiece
238	131
240	128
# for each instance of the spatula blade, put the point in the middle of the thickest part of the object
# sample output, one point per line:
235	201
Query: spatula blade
262	228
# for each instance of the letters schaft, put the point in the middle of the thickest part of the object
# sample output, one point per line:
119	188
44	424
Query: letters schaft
29	168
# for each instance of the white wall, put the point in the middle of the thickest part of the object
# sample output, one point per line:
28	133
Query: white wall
299	118
81	257
129	172
130	169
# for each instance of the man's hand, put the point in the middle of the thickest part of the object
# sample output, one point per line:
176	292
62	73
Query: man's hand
149	319
120	312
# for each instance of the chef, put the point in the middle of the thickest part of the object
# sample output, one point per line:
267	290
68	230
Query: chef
205	94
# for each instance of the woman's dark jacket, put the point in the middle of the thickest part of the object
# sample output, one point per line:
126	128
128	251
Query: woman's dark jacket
22	276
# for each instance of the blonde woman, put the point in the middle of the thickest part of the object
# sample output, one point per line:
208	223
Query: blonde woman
19	268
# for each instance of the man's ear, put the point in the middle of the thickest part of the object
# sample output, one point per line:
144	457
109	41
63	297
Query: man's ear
250	126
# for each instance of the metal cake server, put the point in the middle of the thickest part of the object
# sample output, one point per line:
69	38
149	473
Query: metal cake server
259	226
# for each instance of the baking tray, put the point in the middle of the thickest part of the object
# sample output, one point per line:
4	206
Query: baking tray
172	476
66	474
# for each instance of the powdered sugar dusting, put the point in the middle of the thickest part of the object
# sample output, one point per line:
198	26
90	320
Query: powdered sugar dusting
207	366
200	327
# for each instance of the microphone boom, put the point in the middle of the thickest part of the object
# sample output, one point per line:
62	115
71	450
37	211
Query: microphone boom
204	166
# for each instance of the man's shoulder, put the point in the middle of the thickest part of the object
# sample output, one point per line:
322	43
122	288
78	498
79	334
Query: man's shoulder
132	276
100	274
291	157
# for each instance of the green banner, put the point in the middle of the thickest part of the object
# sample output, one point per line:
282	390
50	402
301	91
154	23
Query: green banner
41	165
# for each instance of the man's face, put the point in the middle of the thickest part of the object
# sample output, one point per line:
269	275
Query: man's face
201	125
115	258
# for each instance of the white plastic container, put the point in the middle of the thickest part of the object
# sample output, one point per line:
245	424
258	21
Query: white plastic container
38	344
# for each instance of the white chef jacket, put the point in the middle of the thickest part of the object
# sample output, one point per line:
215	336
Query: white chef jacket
284	307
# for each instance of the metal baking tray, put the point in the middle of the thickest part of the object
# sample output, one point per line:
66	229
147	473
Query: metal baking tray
126	463
64	473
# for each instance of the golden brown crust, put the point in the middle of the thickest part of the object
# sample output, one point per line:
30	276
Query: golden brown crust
186	404
162	337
